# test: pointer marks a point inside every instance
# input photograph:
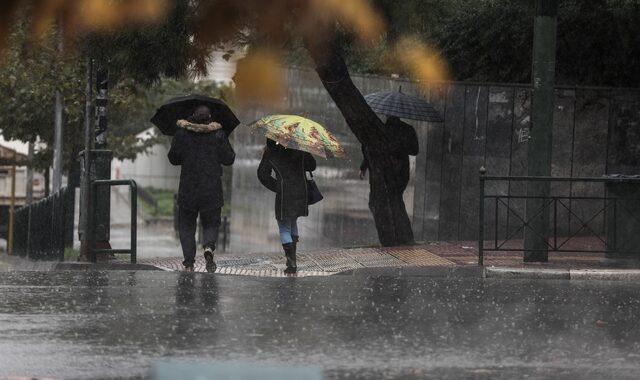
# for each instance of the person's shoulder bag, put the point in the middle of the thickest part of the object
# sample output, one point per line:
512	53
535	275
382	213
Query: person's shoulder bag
313	193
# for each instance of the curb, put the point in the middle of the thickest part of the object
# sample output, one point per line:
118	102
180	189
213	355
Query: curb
562	274
527	273
104	266
416	271
605	274
22	264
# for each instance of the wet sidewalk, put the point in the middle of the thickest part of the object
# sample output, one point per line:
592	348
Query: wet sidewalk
163	252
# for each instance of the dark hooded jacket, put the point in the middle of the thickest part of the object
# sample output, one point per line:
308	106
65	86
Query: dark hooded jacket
201	155
403	143
290	184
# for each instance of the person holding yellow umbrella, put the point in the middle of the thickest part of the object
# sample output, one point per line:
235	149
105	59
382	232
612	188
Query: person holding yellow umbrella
287	158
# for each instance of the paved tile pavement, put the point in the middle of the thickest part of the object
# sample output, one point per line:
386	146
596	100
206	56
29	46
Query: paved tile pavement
315	263
331	261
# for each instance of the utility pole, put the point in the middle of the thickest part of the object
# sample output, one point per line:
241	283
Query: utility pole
58	130
57	143
101	157
29	194
85	181
102	86
540	142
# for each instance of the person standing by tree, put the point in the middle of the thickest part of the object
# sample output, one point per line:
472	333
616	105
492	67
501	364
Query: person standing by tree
290	185
200	146
403	142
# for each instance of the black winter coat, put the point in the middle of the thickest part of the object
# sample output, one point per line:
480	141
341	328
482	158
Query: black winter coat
201	156
290	182
403	143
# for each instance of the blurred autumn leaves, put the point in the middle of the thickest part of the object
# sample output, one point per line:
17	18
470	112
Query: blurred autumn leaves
78	16
267	27
421	60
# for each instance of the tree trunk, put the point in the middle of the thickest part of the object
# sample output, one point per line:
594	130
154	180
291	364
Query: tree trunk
385	199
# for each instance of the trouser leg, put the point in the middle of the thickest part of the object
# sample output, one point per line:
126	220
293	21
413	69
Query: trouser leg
295	236
294	229
210	226
187	231
284	226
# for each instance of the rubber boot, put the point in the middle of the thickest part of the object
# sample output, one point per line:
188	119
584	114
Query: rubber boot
290	253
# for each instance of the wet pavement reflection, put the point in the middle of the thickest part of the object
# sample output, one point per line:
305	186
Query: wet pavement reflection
116	324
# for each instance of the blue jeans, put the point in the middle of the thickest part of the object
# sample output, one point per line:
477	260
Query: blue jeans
288	228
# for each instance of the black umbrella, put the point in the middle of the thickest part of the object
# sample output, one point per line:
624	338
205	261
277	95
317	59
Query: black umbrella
395	103
182	107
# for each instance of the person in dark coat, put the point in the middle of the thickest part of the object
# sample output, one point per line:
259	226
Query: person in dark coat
403	142
290	185
200	146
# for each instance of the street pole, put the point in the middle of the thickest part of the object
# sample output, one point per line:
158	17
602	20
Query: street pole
101	161
57	143
29	184
58	130
102	80
540	141
85	182
29	194
12	206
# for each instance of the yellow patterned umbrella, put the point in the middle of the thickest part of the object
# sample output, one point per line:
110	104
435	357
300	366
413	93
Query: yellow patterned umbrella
297	132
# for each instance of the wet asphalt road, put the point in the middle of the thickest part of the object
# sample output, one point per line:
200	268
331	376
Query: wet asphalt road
115	324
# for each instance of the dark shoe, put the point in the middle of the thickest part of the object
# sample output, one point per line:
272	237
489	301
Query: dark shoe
188	268
208	256
290	253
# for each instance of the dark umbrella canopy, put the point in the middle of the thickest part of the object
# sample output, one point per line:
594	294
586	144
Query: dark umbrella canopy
395	103
182	107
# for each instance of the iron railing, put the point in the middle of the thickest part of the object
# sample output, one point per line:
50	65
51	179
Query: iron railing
132	251
605	207
41	228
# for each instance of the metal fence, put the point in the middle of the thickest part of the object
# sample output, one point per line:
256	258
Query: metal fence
42	229
606	223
